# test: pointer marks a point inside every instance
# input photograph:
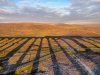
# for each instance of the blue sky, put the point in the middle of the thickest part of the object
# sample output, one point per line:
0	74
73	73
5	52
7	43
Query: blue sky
60	11
55	2
51	3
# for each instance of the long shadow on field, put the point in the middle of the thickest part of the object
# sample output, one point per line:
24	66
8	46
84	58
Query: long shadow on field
4	40
9	41
24	54
93	39
36	60
1	39
86	56
69	45
54	60
11	53
88	50
10	45
89	43
76	65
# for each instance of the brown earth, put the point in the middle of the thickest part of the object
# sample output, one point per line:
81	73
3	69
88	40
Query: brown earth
47	29
21	52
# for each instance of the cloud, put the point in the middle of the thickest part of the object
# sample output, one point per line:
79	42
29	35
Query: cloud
85	10
24	10
96	0
6	3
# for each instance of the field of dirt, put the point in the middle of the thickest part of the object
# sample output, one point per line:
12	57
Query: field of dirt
47	29
48	49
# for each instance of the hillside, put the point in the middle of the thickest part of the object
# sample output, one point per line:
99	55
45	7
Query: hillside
46	29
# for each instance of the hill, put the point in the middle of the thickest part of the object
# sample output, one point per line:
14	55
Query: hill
47	29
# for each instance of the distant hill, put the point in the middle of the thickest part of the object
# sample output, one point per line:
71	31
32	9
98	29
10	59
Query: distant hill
47	29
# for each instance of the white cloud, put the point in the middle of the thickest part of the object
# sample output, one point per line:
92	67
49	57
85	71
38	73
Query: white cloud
96	0
79	10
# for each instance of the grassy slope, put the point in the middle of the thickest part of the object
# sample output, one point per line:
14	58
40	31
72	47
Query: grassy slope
43	29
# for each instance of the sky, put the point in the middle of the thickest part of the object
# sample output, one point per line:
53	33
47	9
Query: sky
56	11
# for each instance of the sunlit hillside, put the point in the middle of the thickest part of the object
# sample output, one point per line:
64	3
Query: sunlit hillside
46	29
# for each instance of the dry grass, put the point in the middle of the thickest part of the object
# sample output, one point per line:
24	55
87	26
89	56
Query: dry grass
43	29
40	29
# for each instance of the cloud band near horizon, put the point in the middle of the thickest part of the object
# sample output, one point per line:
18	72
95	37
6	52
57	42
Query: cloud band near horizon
60	11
